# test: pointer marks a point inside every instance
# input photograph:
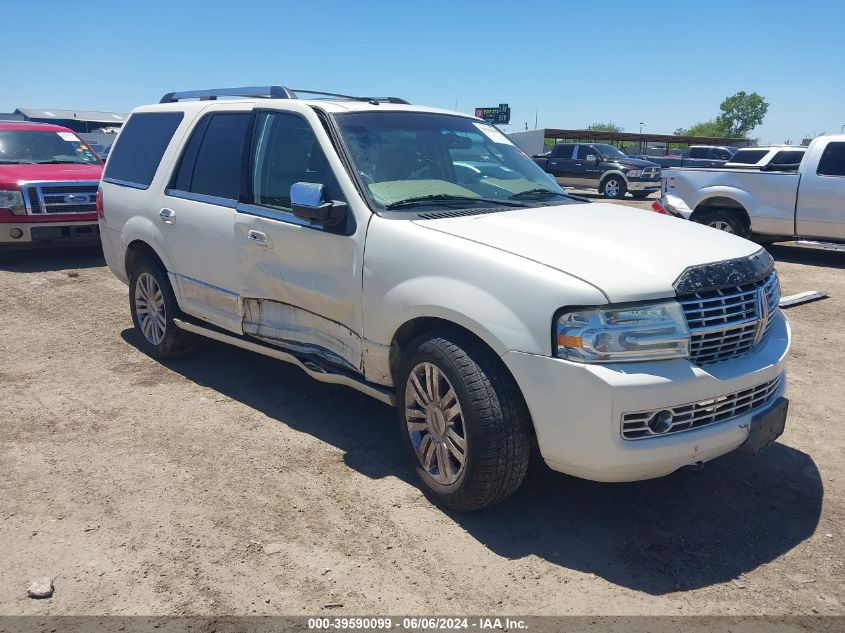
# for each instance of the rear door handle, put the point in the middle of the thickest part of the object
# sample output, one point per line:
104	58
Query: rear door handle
258	237
167	215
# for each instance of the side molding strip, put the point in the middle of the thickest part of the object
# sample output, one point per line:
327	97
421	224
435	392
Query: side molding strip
316	372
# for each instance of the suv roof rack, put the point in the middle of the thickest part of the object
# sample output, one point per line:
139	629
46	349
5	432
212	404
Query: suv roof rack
266	92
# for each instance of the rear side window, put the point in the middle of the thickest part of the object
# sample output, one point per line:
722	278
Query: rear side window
562	150
698	152
749	156
211	163
139	148
832	162
788	157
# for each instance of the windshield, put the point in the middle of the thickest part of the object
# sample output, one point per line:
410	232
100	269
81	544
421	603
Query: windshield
610	151
43	146
411	159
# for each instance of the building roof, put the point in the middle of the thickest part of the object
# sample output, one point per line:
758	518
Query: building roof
115	118
613	137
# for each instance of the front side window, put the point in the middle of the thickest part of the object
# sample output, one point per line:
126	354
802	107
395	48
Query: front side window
287	152
721	154
43	147
211	164
698	152
412	159
140	146
584	151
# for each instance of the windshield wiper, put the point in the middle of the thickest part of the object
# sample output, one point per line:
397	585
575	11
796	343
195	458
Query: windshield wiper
447	198
6	161
536	192
60	162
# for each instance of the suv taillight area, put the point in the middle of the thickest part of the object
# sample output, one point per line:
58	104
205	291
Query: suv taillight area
101	214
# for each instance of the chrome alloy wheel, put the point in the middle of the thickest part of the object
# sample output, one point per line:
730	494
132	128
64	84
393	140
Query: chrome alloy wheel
149	308
611	188
722	226
435	423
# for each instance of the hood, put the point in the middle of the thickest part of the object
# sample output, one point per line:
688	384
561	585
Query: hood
11	175
636	163
629	254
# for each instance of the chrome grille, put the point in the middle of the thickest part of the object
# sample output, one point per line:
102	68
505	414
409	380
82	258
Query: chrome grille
651	172
61	197
685	417
729	322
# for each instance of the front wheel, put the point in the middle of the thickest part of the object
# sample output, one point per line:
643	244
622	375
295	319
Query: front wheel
464	423
153	306
614	187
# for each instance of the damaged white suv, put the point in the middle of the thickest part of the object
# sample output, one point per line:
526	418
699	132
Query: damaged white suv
420	257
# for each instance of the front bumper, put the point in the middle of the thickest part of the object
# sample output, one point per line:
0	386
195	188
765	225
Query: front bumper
34	234
577	408
636	184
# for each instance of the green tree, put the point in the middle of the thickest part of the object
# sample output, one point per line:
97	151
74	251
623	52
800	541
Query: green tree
605	127
741	113
705	128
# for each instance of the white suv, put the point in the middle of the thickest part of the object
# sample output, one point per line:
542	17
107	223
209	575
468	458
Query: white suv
420	257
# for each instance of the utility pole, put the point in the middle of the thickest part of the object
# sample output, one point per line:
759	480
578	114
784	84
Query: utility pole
536	115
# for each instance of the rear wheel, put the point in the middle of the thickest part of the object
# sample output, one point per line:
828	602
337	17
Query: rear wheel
613	187
153	306
464	423
723	221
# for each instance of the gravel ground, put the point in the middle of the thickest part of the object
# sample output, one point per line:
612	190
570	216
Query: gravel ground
229	483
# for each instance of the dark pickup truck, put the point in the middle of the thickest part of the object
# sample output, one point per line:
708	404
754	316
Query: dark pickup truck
601	167
698	156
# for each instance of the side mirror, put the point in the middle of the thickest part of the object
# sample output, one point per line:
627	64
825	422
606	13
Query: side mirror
307	200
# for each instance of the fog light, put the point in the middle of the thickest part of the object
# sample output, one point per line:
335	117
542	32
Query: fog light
661	421
16	233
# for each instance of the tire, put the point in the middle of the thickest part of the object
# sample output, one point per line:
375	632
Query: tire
613	187
641	195
724	221
159	337
6	256
486	422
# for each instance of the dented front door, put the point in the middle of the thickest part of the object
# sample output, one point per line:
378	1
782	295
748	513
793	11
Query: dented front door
300	284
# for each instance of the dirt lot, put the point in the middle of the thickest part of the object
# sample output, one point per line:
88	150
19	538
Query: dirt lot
229	483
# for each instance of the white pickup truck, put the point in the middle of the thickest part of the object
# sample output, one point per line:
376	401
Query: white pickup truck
418	256
771	206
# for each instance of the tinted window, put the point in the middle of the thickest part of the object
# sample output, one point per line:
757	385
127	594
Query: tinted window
287	152
586	150
211	164
749	156
140	146
832	162
788	157
721	154
698	152
563	150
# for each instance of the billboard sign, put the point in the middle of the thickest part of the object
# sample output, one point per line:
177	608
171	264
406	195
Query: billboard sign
501	115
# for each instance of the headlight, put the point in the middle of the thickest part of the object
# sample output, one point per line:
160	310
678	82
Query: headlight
634	173
612	334
12	200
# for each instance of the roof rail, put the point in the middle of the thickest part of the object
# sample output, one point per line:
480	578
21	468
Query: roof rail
265	92
334	94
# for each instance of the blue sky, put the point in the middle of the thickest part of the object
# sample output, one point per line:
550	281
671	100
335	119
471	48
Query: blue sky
669	64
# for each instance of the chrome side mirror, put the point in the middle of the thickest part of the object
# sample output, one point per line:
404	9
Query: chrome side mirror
307	200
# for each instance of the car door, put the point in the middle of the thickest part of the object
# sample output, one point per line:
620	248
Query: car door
300	283
561	163
587	169
197	211
820	210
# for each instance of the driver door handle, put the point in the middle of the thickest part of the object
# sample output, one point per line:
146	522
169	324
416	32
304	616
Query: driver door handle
258	237
167	215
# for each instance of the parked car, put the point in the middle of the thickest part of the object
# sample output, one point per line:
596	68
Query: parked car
698	156
494	313
601	167
770	206
48	187
768	158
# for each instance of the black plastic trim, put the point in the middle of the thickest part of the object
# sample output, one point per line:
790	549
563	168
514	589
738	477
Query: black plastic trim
731	272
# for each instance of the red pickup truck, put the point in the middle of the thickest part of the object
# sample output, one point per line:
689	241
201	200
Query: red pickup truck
48	187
